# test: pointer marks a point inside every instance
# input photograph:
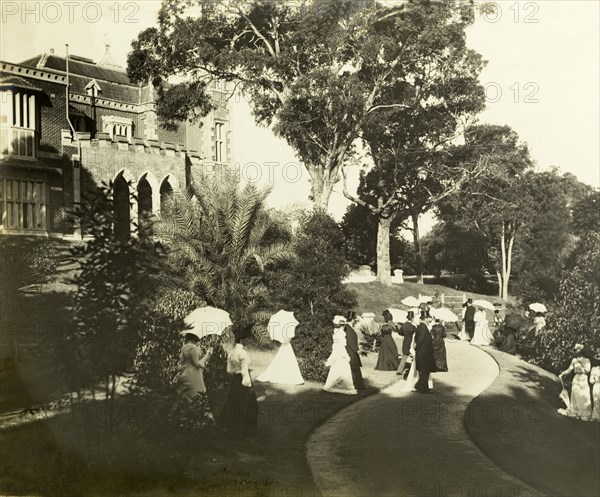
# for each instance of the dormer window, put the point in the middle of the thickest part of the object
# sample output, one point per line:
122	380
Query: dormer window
118	127
18	123
93	88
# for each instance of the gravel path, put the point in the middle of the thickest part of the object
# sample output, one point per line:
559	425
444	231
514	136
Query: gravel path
405	444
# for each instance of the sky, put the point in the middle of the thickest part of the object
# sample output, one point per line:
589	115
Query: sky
542	79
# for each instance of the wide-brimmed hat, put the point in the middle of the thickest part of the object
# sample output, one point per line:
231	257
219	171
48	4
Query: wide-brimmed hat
339	320
195	333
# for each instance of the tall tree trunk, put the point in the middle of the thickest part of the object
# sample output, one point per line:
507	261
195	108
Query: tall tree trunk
417	243
499	275
508	267
384	268
321	186
506	255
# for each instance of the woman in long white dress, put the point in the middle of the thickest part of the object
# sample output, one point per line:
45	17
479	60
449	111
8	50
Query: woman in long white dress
284	367
481	335
339	379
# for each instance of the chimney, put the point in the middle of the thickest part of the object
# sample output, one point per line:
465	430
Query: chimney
51	51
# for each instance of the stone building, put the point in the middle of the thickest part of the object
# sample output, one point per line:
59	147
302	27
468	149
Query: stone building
64	125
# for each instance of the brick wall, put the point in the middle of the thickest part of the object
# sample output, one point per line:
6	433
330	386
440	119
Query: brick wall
103	162
52	115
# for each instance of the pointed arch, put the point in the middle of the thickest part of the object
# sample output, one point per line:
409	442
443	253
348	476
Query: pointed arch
168	186
124	204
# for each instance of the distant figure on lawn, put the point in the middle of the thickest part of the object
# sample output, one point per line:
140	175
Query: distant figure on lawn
353	319
438	333
240	412
407	330
424	355
192	408
388	352
339	379
581	402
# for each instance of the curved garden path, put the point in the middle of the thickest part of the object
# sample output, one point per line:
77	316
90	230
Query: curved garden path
405	444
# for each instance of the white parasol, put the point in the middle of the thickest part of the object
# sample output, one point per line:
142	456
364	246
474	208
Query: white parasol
444	314
537	307
410	301
425	299
205	321
485	304
398	315
282	326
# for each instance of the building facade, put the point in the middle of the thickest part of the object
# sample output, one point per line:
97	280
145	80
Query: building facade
68	124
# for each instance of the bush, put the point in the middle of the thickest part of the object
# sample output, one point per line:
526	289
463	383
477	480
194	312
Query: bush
312	287
312	344
576	316
157	356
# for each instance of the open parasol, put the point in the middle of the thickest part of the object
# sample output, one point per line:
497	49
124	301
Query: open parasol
485	304
398	315
537	307
410	301
282	326
444	314
205	321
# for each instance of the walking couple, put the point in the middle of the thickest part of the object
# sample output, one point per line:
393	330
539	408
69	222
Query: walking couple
422	348
344	362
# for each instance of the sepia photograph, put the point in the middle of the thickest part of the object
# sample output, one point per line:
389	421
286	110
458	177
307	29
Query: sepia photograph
300	248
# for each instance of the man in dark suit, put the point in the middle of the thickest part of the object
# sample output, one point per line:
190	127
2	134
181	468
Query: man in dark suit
424	353
407	330
352	350
469	319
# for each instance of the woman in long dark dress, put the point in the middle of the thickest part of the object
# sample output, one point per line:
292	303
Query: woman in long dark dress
240	413
438	333
192	409
424	357
388	351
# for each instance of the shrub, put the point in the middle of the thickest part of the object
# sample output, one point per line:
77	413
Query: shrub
157	356
311	286
576	316
312	344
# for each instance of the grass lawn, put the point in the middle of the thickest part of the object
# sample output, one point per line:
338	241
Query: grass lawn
49	457
375	297
516	424
271	464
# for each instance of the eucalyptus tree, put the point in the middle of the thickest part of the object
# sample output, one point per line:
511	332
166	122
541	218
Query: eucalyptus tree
313	70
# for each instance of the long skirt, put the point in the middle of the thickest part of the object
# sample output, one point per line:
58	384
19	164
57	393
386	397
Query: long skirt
581	401
240	412
596	400
339	379
439	354
387	360
192	412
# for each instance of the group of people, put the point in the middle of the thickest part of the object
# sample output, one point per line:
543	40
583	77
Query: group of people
584	401
422	339
476	328
240	412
